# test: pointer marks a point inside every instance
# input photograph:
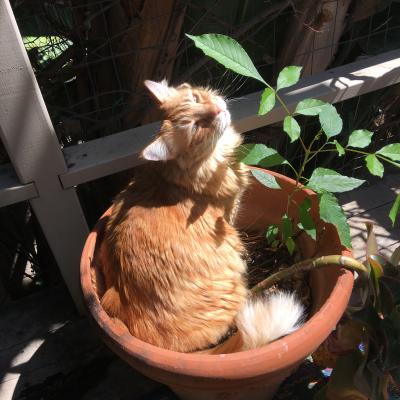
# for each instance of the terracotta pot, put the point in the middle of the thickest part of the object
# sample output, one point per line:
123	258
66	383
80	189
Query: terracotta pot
252	374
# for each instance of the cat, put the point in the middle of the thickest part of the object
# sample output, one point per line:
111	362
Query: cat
176	275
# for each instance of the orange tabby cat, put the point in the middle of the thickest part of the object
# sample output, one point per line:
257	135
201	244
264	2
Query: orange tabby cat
176	274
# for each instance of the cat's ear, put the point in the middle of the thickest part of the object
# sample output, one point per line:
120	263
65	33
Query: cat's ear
158	150
160	90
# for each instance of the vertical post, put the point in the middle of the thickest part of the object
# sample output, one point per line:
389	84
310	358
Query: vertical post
32	145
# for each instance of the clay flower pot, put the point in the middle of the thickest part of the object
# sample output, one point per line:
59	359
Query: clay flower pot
253	374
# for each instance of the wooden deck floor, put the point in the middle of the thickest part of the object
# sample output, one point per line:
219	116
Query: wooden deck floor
49	352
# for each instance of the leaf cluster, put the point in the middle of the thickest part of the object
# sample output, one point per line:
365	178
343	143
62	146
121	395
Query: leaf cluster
325	182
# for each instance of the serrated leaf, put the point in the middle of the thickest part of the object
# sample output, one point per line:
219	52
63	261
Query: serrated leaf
339	148
292	128
267	101
306	221
265	179
271	234
360	138
394	211
310	107
375	167
331	212
260	154
330	121
288	76
324	179
391	151
227	52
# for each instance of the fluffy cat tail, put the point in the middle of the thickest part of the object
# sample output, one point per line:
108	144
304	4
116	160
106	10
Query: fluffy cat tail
263	320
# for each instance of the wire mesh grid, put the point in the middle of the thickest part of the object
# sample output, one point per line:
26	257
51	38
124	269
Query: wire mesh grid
91	57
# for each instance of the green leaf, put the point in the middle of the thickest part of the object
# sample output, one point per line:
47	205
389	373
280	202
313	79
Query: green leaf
287	233
287	229
288	76
292	128
310	107
391	151
271	234
265	178
260	154
394	211
306	222
375	167
331	212
227	52
290	245
339	148
360	138
324	179
267	101
330	120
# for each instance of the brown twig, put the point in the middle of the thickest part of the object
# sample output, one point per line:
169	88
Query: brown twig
308	265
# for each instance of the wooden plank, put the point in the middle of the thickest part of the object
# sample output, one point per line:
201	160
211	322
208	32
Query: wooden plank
31	143
97	158
11	190
386	235
368	197
45	347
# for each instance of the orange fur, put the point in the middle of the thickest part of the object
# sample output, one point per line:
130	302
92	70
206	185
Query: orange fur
176	273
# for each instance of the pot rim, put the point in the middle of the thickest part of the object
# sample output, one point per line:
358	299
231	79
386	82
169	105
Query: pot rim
268	359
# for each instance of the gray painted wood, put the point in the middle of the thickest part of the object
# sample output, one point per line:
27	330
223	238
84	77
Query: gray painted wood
30	140
11	191
97	158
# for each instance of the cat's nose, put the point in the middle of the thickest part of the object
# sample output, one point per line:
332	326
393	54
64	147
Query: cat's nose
221	105
218	109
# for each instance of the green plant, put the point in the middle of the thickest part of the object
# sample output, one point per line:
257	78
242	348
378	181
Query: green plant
325	182
370	334
367	341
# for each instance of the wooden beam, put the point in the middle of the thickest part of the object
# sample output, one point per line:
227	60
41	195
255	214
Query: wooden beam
97	158
11	191
32	145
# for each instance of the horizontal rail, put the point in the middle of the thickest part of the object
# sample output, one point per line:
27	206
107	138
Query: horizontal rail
114	153
11	191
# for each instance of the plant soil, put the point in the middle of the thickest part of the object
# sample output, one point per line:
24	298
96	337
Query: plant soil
264	260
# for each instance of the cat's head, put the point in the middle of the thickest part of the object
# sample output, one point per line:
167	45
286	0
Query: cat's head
194	121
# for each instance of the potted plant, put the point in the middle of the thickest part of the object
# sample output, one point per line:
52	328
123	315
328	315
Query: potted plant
302	212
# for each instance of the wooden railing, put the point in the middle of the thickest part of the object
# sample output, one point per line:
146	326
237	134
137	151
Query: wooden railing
47	176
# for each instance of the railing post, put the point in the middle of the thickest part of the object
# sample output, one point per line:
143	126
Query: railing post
29	137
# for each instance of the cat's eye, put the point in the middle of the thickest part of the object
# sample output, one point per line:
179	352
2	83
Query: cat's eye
195	98
194	127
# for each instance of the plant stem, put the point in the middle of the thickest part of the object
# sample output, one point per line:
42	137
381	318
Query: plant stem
310	264
283	104
314	153
359	152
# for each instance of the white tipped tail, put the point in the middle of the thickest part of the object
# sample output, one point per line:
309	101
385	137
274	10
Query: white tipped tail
265	319
261	321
